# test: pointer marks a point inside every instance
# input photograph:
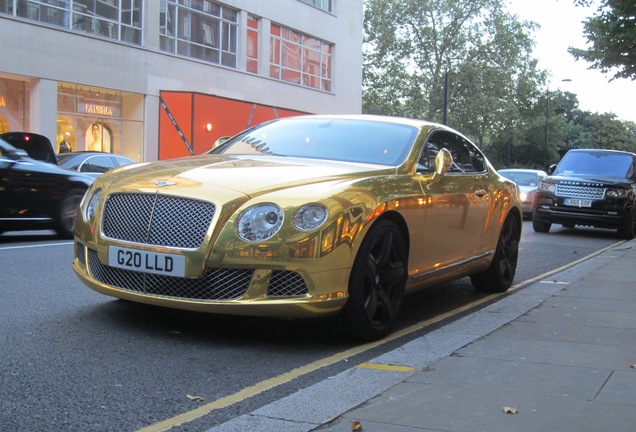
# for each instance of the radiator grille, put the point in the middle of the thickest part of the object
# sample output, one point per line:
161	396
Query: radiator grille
575	191
286	284
215	284
158	220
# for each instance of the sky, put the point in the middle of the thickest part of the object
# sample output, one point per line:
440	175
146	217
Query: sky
561	27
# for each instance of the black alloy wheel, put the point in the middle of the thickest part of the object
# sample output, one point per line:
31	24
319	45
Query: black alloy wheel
376	285
499	276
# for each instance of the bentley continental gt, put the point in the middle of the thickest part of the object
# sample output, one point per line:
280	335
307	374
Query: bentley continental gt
310	216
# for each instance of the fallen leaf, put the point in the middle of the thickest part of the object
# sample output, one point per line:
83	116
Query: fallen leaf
356	426
510	410
195	398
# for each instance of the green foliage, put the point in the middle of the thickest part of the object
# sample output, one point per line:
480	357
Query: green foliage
612	33
496	93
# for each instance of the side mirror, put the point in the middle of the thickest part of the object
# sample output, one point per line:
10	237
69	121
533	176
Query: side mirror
443	162
551	169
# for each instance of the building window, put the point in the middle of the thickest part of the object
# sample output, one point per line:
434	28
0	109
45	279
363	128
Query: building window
321	4
112	19
252	44
300	59
200	29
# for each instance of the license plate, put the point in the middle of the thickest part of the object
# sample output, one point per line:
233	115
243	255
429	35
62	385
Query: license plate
146	261
577	202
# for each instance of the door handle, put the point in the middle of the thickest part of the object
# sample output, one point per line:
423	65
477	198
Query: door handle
480	192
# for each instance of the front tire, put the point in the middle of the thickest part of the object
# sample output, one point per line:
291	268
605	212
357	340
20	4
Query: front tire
67	212
499	276
628	232
538	226
376	284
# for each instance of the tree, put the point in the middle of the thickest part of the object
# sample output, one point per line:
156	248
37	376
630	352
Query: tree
410	45
612	33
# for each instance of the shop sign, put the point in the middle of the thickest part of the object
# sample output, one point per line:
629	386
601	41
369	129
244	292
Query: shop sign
99	110
3	101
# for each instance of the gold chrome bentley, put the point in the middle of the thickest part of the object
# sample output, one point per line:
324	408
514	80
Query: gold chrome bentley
300	217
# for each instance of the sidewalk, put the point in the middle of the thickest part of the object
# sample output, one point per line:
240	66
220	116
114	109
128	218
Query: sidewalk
559	355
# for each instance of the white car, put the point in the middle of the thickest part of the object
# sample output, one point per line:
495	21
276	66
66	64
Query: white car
527	180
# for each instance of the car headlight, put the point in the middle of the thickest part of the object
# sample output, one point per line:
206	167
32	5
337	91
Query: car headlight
616	193
523	195
549	186
90	206
259	222
309	217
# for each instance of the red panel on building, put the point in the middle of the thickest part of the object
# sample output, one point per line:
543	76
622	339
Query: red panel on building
190	123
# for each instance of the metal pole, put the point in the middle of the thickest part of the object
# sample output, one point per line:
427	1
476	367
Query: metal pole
445	97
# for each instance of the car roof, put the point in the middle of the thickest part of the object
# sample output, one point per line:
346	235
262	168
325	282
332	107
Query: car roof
608	151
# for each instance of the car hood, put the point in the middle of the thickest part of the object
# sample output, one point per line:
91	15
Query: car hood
592	180
244	174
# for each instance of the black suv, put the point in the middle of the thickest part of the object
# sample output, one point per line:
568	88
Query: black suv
589	187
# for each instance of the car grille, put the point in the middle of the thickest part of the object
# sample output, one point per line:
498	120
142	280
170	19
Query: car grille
215	284
157	220
286	284
566	190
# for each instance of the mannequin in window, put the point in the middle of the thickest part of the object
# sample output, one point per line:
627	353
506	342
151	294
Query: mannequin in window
65	146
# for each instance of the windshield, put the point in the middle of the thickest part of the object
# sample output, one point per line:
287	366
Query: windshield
596	163
363	141
520	177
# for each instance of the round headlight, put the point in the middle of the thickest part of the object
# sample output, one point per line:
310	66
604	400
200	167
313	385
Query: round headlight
259	222
91	205
310	217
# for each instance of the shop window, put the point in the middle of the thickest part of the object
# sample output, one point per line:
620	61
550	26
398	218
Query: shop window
204	30
300	59
252	44
97	119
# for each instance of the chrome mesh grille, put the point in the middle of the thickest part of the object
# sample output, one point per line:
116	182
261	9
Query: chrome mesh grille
158	220
286	284
588	192
80	254
215	284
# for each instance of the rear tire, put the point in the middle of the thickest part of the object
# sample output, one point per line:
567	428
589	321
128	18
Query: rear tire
376	284
67	212
499	276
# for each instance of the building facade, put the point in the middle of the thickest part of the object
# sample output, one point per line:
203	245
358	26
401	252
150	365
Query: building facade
155	79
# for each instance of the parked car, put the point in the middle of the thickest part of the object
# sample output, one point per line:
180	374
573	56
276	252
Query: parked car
35	145
527	180
36	194
310	216
589	187
92	163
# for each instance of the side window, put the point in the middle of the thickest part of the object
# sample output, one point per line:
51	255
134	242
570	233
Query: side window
466	157
100	164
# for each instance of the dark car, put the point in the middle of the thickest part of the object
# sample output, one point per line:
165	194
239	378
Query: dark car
36	194
92	163
35	145
592	188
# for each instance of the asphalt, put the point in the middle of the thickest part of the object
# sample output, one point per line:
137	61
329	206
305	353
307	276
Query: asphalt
557	355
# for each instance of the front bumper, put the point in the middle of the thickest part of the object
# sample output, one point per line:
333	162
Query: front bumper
597	217
235	291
